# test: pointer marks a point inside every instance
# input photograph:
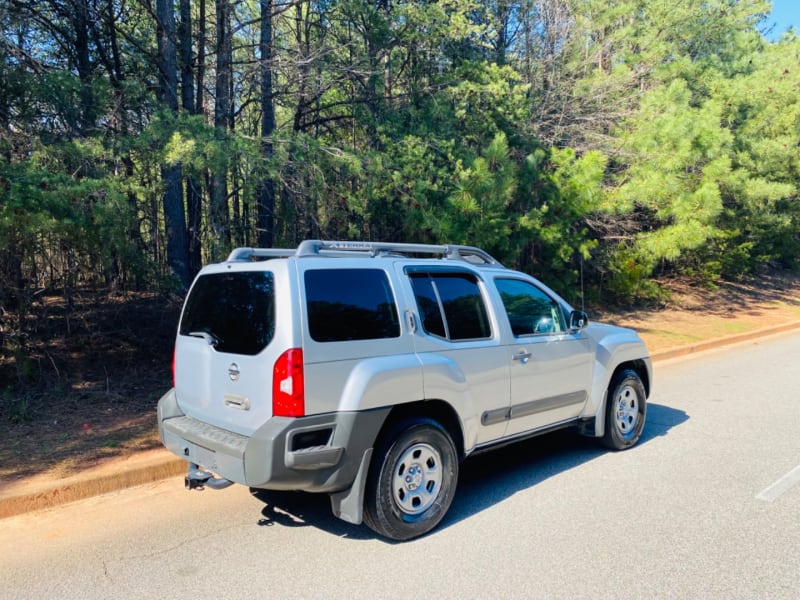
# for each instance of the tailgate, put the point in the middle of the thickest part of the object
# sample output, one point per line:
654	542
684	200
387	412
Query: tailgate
223	353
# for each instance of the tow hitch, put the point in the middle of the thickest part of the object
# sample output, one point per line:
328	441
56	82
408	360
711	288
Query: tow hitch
197	479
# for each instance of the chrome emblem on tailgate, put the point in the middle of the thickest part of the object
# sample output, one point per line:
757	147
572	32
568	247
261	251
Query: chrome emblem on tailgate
233	372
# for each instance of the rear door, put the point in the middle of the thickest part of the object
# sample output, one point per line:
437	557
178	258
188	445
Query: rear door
459	345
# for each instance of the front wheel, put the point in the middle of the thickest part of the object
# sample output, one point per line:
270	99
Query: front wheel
412	480
626	409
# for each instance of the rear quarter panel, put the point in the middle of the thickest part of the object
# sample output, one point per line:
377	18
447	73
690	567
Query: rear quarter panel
359	374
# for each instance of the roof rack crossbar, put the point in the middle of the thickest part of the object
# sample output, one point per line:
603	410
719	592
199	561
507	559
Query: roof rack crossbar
248	254
343	248
315	247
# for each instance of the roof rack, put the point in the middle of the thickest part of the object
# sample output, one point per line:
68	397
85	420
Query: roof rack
251	254
348	248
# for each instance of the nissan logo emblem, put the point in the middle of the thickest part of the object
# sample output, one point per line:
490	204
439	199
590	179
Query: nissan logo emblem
233	372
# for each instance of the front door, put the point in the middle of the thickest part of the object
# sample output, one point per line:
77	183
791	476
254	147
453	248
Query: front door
551	368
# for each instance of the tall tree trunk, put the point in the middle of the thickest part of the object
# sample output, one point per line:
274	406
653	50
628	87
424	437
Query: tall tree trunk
174	216
80	22
502	24
199	108
266	187
167	55
5	119
220	225
193	195
185	42
302	61
194	209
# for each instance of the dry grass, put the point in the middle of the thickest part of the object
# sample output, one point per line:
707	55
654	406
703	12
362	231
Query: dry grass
697	313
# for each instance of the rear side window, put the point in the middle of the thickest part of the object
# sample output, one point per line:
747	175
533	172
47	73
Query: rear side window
350	304
451	305
235	312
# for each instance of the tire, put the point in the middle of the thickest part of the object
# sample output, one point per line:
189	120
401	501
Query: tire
626	410
412	480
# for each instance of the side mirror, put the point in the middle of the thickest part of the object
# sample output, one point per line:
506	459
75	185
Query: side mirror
578	319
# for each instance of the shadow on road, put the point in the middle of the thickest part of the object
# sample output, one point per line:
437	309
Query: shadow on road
301	509
490	478
485	480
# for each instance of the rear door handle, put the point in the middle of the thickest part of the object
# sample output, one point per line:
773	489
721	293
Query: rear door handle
522	356
412	322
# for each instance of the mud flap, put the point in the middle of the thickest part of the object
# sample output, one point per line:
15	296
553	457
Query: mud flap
348	505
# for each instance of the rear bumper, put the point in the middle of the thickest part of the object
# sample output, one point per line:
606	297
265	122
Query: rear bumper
318	453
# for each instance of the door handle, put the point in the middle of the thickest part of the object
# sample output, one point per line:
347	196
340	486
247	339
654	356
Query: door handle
412	322
522	356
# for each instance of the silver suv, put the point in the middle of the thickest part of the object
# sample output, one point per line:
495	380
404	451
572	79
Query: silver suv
369	371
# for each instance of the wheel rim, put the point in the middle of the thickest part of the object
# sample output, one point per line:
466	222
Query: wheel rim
417	479
626	413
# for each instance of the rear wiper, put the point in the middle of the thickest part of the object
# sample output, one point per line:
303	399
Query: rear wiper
209	337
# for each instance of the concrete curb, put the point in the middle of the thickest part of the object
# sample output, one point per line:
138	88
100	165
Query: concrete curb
42	492
728	340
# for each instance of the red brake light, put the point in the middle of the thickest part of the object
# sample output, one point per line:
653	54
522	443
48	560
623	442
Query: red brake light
288	387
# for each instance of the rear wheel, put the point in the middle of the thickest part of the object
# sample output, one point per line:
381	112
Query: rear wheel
626	409
412	480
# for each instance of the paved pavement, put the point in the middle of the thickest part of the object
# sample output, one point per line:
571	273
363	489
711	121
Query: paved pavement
43	491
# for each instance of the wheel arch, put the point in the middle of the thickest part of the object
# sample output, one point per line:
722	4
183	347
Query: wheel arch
638	366
436	410
594	425
349	504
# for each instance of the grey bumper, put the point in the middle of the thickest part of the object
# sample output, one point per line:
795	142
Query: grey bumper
318	453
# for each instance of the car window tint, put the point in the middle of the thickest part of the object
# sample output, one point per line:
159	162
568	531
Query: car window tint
237	311
451	305
428	304
530	311
350	304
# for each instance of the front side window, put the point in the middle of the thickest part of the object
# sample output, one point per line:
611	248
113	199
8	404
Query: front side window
350	304
451	305
530	311
234	311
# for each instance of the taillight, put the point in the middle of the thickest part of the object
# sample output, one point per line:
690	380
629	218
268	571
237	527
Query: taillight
174	353
288	387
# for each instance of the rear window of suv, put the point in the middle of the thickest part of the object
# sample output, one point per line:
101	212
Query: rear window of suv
234	311
350	304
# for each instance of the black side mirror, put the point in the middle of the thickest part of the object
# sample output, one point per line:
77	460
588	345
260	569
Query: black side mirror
578	319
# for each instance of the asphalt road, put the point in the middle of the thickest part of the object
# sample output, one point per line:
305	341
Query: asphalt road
707	506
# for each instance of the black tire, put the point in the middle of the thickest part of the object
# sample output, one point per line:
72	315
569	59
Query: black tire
412	480
626	410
